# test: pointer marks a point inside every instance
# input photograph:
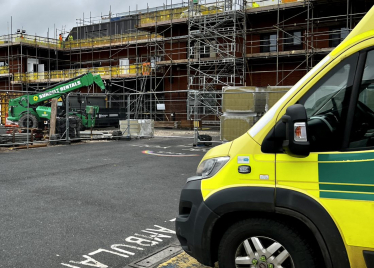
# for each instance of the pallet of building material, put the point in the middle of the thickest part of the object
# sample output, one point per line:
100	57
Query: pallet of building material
186	124
235	125
10	129
147	127
137	127
275	93
95	135
190	124
15	138
243	100
166	124
3	130
5	138
129	127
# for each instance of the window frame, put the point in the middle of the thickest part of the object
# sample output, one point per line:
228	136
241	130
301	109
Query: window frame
289	41
322	80
271	145
357	79
265	43
353	101
336	35
316	85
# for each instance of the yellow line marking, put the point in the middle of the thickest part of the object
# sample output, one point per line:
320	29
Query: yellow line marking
182	260
348	184
348	192
346	161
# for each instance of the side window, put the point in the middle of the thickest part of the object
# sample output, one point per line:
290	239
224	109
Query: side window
268	43
326	104
293	41
362	132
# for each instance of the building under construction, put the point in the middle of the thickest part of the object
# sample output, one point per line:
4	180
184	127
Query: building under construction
164	54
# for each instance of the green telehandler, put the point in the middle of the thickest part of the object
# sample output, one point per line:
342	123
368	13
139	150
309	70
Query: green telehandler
31	110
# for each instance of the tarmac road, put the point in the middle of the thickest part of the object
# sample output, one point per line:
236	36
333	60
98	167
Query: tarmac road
101	204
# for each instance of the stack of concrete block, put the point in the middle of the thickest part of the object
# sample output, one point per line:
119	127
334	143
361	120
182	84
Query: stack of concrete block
240	106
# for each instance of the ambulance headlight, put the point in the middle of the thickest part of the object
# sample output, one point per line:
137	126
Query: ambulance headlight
210	167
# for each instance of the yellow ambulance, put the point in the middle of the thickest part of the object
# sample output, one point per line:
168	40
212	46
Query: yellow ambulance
297	190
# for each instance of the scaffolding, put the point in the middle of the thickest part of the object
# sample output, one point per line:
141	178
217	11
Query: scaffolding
192	46
216	48
297	36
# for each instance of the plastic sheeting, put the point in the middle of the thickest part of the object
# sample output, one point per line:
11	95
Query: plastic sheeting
137	128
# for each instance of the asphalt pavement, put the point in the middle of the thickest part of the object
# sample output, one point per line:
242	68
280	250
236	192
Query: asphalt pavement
98	204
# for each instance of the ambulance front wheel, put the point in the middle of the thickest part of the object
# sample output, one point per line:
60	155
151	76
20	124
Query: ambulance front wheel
265	243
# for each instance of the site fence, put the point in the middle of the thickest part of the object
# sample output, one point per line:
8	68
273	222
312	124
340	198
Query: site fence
205	118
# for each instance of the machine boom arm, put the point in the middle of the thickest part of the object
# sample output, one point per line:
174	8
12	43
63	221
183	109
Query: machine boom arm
66	87
27	103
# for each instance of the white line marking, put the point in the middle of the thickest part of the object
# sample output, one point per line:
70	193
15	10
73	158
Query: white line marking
154	235
71	266
173	219
112	252
90	262
123	245
161	229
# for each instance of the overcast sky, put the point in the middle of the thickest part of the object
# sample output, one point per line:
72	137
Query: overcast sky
36	16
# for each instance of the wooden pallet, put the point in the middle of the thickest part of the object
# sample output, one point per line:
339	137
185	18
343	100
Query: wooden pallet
166	124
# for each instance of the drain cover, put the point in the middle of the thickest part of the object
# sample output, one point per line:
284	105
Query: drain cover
157	257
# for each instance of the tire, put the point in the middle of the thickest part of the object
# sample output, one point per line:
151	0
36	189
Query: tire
28	120
238	246
78	126
72	132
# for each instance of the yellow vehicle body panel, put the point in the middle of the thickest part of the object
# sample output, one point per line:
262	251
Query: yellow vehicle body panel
221	150
347	192
362	30
262	165
298	174
355	256
343	187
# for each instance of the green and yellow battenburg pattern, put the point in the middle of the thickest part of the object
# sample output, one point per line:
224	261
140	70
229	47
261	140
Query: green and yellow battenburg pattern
347	176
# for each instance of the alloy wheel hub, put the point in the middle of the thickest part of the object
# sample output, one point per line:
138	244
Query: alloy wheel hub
262	252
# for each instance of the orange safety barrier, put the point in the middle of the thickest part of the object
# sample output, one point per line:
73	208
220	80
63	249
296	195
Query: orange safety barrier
9	123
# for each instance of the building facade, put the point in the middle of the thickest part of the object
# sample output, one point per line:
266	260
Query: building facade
164	55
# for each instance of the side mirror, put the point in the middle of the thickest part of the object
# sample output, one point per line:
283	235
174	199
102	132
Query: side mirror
296	142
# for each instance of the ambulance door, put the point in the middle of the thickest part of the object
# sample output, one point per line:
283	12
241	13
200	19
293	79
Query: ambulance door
346	180
339	172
